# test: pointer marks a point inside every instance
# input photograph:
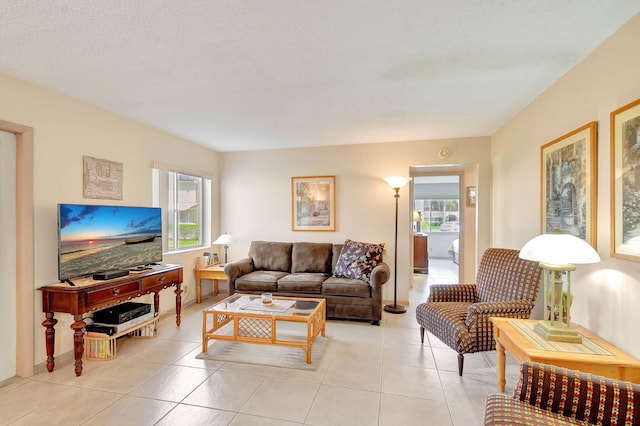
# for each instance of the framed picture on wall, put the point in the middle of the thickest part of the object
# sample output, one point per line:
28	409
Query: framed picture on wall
568	183
313	203
625	182
472	196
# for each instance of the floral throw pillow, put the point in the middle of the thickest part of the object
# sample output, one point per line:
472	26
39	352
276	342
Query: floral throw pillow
357	260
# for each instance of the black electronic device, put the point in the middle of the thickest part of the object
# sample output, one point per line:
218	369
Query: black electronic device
109	275
121	313
97	238
104	329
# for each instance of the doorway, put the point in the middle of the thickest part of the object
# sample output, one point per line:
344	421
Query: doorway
24	302
437	219
8	331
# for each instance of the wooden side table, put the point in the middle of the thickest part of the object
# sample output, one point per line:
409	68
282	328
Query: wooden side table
617	365
212	272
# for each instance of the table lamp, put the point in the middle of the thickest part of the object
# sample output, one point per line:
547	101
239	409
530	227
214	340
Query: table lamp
225	240
417	219
558	253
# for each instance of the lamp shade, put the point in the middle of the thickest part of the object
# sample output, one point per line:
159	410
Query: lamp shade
223	239
558	248
397	181
416	217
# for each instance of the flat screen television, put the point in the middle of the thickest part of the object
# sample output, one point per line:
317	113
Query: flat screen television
94	238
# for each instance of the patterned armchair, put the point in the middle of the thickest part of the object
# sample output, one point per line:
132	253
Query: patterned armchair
548	395
458	314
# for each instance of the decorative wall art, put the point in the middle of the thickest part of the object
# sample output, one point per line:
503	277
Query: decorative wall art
625	182
472	196
102	179
568	183
313	203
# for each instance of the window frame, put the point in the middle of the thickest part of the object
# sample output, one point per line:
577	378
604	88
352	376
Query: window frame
163	197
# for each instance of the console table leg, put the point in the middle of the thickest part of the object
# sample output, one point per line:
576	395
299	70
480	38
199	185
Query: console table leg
178	292
50	338
78	343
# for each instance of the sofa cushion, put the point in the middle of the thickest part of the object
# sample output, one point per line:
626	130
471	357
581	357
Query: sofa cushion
271	256
357	260
311	257
305	282
502	409
259	281
336	286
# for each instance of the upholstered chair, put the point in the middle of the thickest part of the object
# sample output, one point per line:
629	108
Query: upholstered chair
548	395
459	314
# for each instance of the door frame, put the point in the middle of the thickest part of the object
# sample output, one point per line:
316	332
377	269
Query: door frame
25	277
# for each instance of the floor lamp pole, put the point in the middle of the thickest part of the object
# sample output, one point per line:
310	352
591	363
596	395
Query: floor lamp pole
395	308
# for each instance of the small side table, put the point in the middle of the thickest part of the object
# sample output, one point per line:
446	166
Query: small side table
212	272
618	365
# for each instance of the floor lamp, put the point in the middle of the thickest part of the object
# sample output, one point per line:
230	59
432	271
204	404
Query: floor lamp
396	182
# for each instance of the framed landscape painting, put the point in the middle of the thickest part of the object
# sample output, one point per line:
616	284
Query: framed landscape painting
313	203
625	182
568	184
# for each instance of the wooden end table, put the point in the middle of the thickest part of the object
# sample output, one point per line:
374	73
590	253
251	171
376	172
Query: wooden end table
618	365
211	272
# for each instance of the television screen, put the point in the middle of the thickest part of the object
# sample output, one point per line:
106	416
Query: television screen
103	238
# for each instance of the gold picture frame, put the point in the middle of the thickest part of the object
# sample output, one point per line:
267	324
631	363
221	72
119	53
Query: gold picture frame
313	203
568	183
625	182
472	196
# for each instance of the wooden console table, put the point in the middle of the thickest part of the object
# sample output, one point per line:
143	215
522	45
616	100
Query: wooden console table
89	295
213	272
615	363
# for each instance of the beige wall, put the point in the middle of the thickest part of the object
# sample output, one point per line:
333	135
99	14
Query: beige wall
64	131
607	294
256	194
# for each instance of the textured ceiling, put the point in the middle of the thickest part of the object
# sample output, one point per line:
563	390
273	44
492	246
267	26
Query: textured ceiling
247	75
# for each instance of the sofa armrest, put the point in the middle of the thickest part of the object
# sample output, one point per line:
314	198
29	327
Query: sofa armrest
452	293
379	276
236	269
582	396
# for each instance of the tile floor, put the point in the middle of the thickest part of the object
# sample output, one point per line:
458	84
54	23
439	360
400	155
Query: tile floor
369	376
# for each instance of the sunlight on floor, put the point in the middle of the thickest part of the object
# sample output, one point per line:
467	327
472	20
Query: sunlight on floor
441	271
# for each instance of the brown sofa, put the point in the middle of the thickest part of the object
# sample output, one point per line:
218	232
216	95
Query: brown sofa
307	269
548	395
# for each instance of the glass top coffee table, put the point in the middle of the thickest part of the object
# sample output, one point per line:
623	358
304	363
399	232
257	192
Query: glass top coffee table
245	318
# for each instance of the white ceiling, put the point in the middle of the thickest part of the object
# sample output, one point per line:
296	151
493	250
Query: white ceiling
247	75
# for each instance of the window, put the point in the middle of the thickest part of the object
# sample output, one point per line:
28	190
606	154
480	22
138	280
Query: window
438	215
185	199
184	211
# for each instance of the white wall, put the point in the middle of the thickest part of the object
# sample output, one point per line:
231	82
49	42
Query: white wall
607	294
8	255
65	130
256	194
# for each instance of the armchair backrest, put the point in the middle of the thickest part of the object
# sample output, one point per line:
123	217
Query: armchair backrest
503	276
581	396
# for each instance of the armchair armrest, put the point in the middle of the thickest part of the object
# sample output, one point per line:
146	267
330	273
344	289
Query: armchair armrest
582	396
511	309
236	269
478	319
452	293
